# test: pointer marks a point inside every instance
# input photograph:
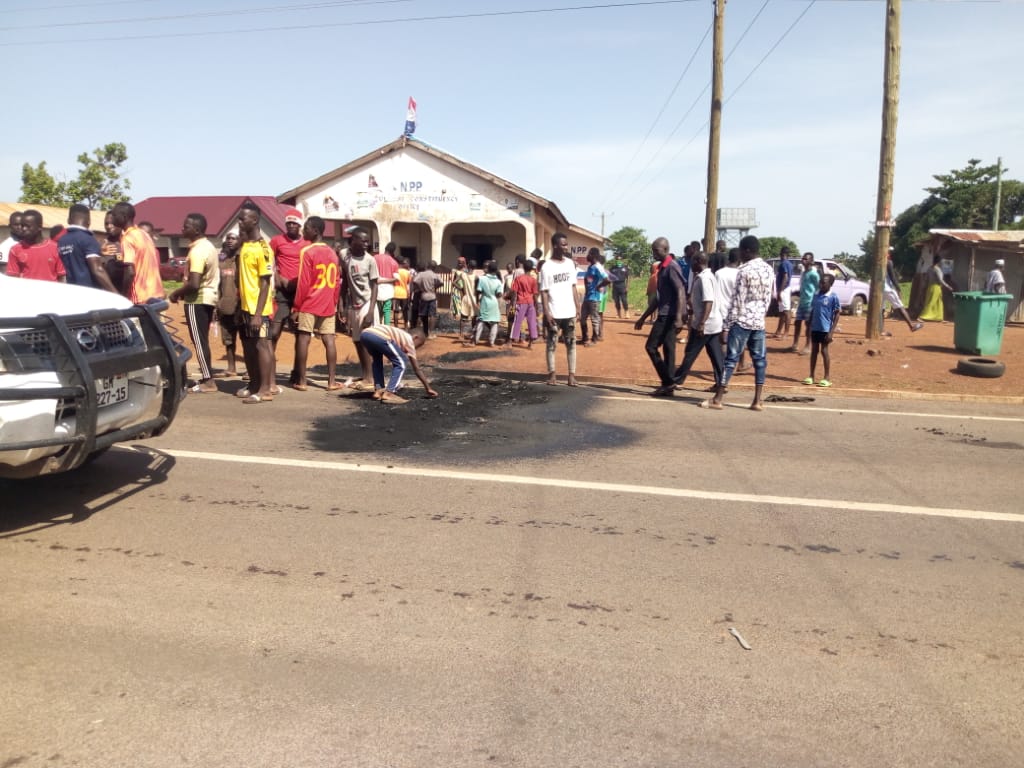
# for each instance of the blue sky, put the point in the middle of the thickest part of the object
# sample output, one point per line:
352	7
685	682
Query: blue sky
230	102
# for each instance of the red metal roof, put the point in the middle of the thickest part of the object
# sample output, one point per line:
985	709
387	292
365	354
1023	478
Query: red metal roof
168	213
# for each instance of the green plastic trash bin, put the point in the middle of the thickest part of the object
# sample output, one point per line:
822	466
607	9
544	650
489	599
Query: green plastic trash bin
980	317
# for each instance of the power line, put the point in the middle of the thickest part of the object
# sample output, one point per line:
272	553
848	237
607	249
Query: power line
366	22
75	5
208	14
735	90
661	111
696	101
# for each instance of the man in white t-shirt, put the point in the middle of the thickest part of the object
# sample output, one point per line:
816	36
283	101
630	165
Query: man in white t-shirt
561	302
705	321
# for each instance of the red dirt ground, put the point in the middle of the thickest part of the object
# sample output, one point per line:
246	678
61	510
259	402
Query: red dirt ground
900	365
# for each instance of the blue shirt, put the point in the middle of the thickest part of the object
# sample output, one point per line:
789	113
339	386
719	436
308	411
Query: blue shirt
75	246
591	280
823	309
784	274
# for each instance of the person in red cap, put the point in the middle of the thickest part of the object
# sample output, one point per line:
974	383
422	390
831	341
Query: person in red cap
286	248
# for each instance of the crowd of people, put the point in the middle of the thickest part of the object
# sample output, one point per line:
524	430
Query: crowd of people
254	290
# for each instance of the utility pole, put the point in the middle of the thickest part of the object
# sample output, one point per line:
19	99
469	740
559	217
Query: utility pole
886	167
999	193
715	134
602	215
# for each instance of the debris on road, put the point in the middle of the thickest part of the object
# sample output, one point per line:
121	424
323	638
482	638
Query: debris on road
743	643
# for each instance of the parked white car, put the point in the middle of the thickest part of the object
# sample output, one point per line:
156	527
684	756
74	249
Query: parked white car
80	370
853	292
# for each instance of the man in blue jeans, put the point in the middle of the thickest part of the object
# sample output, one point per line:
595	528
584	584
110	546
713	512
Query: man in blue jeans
745	321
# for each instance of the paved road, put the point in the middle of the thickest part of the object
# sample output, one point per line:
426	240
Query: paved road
554	585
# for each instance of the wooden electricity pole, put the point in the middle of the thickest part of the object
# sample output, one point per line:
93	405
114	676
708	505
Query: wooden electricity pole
886	167
715	134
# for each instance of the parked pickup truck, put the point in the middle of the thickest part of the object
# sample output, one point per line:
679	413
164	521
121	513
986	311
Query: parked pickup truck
80	370
853	292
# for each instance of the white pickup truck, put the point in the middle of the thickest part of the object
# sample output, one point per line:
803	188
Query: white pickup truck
80	370
853	292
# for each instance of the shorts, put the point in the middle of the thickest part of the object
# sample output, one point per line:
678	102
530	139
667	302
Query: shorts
310	323
893	296
820	337
803	313
427	308
785	300
282	311
229	329
355	319
247	331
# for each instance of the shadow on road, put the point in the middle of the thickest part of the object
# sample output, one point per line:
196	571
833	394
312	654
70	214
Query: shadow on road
478	419
73	497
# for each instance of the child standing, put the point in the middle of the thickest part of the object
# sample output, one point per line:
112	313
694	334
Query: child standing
825	309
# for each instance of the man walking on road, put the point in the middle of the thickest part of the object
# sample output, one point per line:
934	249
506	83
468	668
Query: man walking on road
561	303
669	302
705	322
745	320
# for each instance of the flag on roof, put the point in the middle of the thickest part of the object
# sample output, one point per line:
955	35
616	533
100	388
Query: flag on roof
410	118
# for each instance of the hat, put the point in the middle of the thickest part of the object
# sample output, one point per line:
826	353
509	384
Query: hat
1000	263
292	214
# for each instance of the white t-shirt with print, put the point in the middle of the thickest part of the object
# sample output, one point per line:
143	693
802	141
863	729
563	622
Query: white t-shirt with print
558	278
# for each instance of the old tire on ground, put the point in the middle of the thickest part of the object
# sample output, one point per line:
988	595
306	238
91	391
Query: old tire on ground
981	367
857	306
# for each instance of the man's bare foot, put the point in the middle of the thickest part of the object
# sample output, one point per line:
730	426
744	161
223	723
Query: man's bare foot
572	380
757	405
378	394
804	351
551	379
392	397
713	404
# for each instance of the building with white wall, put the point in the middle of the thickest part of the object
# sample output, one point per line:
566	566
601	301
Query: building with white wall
436	207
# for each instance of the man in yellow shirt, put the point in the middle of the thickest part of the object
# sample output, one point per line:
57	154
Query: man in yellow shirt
200	291
255	298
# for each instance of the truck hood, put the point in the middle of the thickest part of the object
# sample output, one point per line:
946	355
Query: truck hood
27	298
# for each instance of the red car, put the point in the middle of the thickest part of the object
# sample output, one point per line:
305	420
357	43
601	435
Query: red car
173	270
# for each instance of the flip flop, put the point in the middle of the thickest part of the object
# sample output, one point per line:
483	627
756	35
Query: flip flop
335	387
199	389
276	390
243	393
252	400
808	381
300	387
824	383
711	405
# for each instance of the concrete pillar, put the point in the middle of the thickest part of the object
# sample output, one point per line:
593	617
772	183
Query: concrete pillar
437	241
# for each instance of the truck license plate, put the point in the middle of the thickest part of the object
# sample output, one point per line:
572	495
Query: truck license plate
112	390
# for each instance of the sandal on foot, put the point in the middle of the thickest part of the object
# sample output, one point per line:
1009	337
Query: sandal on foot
300	387
824	383
253	399
808	381
243	393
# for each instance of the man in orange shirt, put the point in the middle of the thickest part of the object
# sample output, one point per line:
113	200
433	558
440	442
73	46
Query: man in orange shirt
141	281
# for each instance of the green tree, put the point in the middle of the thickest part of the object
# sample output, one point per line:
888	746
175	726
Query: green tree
771	247
632	245
39	187
99	184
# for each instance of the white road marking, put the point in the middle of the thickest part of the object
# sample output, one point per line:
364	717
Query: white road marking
565	483
819	409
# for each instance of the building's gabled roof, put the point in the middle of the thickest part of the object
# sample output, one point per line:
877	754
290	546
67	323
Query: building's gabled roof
1010	239
51	214
587	233
168	213
402	142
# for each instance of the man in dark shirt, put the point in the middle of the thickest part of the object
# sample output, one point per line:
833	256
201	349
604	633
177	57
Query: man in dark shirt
620	285
669	301
80	252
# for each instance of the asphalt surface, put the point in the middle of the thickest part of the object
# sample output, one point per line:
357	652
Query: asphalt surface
523	575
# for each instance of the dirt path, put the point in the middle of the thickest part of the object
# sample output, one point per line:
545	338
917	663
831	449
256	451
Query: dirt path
923	362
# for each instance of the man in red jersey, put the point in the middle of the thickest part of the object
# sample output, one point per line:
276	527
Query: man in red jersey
286	248
317	287
34	256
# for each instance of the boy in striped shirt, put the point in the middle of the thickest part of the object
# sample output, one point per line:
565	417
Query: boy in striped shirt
399	347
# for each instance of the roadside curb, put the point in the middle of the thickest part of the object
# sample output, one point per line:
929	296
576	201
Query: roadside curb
880	394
